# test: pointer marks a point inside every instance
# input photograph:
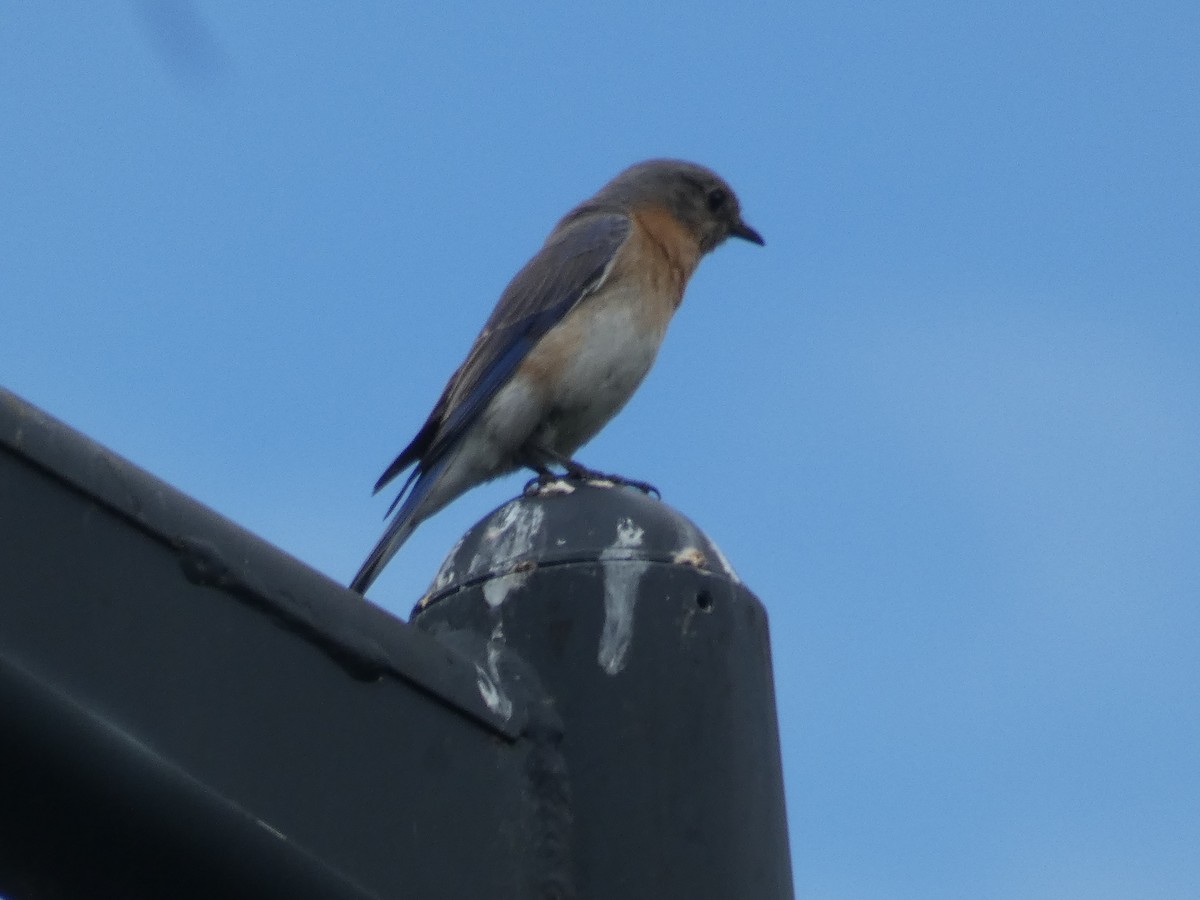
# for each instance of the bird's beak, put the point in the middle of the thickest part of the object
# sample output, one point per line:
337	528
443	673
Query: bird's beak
746	233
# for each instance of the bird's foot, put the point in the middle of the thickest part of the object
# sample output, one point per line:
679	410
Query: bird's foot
576	472
542	482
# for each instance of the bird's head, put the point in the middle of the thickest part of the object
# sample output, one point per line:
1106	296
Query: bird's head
698	197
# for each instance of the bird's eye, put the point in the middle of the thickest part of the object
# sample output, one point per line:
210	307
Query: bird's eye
716	199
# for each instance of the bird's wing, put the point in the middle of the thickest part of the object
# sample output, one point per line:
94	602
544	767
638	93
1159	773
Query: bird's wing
574	262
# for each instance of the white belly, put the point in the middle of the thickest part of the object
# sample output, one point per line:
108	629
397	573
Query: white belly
605	350
614	354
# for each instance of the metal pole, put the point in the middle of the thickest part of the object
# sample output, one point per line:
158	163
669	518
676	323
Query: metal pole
650	664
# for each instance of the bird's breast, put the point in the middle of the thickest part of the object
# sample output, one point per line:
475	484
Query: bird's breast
661	253
589	365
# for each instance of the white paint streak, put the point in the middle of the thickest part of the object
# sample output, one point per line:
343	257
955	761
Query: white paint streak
622	574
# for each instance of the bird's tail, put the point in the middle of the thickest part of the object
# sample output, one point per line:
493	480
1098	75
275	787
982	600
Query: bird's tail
408	517
395	536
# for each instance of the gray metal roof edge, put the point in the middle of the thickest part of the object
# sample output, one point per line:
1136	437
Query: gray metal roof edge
367	641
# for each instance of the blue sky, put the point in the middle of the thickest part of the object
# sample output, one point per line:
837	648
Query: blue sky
946	423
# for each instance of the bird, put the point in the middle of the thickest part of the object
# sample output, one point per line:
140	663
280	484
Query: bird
569	341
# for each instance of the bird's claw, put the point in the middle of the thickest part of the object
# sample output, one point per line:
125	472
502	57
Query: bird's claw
644	486
538	483
542	480
579	473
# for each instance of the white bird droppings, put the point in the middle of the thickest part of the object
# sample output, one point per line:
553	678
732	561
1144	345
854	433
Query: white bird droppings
510	534
690	556
556	487
733	576
622	574
488	680
496	590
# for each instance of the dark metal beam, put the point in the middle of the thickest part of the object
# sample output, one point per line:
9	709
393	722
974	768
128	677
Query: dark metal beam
583	707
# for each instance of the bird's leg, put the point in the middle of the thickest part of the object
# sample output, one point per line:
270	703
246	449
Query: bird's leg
535	461
578	472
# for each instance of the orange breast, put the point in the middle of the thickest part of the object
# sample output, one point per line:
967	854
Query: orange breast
670	252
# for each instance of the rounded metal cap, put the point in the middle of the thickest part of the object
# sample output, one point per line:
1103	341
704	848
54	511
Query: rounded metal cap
568	522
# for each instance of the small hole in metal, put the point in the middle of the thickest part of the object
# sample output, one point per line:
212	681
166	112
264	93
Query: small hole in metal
704	601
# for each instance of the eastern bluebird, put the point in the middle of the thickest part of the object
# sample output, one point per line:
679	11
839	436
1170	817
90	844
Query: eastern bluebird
569	341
